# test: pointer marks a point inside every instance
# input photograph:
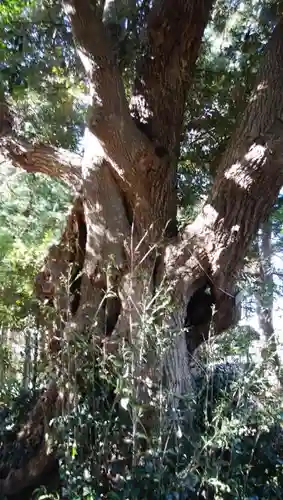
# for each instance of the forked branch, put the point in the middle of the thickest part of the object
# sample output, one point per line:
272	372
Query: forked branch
164	70
108	117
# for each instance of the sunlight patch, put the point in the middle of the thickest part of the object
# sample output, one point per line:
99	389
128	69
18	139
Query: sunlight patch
238	171
235	174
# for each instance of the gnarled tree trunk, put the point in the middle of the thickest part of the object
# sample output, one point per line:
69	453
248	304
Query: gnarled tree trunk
121	238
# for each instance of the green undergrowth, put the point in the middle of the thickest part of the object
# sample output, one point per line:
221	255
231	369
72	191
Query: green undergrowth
231	448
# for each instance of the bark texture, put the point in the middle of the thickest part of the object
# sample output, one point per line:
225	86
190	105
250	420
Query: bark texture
165	68
248	182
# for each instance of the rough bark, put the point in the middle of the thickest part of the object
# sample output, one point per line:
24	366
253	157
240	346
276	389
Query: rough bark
109	118
247	185
137	162
145	177
265	295
170	48
125	189
171	44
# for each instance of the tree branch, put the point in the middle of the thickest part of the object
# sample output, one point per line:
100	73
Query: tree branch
165	67
129	152
246	187
55	162
108	118
94	49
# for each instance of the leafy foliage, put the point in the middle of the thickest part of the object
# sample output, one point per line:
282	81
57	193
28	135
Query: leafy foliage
39	71
32	215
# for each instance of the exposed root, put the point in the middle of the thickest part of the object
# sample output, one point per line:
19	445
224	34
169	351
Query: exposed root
20	479
33	436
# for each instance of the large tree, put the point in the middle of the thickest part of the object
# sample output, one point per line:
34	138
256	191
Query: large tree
122	237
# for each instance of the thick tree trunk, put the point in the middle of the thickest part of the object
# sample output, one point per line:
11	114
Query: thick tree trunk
33	437
116	240
141	177
248	182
